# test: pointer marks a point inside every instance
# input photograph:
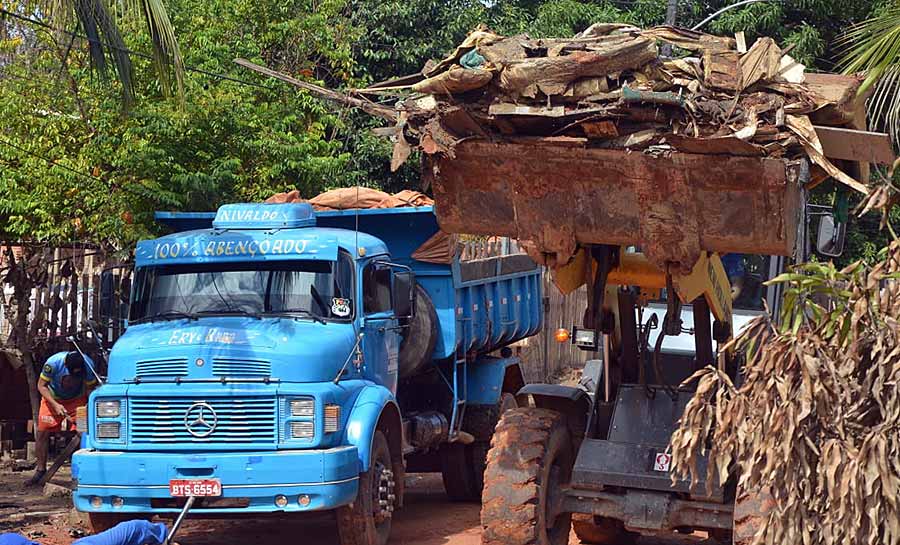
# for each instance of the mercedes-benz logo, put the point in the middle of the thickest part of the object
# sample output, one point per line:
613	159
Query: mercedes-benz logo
200	420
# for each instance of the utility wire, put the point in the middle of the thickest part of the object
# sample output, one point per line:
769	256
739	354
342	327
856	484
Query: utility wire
50	161
125	49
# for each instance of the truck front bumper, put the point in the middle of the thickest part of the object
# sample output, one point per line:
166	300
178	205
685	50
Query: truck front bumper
138	482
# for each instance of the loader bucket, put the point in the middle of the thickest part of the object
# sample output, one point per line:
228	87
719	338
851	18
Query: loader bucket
557	193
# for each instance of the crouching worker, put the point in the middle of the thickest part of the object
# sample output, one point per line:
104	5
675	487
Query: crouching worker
65	381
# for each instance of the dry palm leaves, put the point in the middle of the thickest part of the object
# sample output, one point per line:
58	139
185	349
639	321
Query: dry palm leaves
816	419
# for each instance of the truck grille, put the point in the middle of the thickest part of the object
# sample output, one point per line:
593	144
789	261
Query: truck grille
241	368
166	367
237	420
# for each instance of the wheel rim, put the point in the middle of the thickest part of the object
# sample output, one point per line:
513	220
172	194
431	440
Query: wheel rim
383	494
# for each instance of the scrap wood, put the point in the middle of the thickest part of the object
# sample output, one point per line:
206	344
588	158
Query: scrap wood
854	145
762	62
802	127
552	75
455	80
608	84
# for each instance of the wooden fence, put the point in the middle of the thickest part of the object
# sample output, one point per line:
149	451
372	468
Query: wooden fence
47	295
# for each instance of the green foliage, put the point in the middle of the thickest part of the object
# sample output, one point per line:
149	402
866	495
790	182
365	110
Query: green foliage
227	140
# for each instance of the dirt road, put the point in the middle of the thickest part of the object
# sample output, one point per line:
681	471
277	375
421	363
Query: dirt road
428	518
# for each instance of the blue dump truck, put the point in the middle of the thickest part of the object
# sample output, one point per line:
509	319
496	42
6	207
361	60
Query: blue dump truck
281	360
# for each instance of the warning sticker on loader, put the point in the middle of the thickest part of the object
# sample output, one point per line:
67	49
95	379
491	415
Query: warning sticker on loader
662	462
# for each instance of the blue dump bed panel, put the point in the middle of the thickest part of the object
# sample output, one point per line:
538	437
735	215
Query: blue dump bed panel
482	305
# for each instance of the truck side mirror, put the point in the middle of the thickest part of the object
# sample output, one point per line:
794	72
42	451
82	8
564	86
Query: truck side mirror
830	236
404	294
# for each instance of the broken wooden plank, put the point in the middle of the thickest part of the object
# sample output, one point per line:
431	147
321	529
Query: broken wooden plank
854	145
506	108
552	75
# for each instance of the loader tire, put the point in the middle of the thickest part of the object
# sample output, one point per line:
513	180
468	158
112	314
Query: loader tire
462	466
529	462
601	530
366	521
751	513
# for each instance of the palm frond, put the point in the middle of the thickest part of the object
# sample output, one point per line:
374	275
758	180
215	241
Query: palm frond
872	46
105	42
166	54
97	20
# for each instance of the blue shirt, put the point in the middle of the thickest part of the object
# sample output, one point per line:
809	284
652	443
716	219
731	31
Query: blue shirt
55	369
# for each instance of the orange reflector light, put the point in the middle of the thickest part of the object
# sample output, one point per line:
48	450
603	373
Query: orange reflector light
562	335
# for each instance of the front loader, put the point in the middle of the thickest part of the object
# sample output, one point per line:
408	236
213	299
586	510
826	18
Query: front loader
648	236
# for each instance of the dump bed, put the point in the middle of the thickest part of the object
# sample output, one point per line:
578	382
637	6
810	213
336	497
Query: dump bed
673	205
481	304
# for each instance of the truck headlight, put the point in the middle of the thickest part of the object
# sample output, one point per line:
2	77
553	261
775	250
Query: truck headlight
108	430
304	406
302	430
108	408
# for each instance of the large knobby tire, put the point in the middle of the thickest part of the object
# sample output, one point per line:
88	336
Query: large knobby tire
601	530
366	521
101	522
529	462
751	513
462	466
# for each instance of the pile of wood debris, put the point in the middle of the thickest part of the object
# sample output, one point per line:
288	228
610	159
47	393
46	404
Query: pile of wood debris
610	87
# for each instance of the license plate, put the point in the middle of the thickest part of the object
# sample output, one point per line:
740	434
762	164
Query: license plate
179	488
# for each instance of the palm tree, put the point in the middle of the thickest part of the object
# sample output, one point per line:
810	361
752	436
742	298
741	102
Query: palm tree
873	47
97	22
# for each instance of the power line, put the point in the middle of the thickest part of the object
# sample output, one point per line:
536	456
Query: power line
125	49
50	161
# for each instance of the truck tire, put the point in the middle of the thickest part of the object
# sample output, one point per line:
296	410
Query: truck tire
101	522
367	521
417	344
601	530
456	473
751	512
530	460
462	466
483	429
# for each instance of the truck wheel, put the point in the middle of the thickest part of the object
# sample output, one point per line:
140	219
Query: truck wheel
751	513
527	467
367	521
484	432
601	530
456	473
462	466
101	522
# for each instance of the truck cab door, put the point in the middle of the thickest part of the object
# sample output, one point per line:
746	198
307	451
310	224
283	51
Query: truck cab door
381	341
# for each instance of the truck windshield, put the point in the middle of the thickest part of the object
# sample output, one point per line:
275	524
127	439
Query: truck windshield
319	289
